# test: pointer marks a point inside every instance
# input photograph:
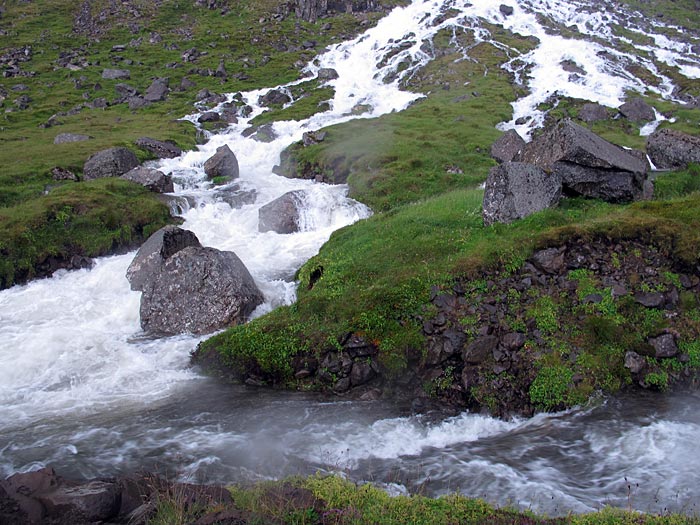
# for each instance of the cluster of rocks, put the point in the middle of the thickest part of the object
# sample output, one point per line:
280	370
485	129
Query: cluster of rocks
187	288
312	10
12	59
42	496
570	160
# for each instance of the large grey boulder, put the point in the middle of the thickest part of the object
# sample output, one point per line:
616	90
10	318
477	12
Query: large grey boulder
282	215
507	146
154	180
637	110
668	148
587	164
158	90
222	164
274	97
112	162
155	251
199	290
592	112
162	150
515	190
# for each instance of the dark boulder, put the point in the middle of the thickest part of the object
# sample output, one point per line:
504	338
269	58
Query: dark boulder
505	9
198	290
162	150
664	346
274	97
515	190
507	146
154	180
592	112
158	90
153	253
587	164
112	162
327	73
209	116
480	350
222	164
282	214
668	148
637	110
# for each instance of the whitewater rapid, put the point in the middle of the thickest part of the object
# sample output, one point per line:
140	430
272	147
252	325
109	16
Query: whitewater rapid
81	387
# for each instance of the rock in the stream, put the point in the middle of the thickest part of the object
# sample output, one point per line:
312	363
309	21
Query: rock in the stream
515	190
153	253
587	164
668	148
223	164
282	215
198	290
112	162
154	180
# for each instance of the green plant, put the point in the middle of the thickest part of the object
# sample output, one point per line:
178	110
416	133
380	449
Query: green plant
550	389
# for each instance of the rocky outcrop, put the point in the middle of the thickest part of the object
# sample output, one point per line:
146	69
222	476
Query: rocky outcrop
112	162
155	251
673	149
312	10
507	146
587	164
515	190
223	164
198	290
160	149
154	180
282	214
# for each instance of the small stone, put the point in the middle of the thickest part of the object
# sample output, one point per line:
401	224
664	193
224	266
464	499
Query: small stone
634	362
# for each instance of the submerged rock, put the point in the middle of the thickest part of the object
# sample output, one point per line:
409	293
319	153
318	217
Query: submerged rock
515	190
198	290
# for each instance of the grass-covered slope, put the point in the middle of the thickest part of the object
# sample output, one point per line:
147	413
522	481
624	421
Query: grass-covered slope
62	47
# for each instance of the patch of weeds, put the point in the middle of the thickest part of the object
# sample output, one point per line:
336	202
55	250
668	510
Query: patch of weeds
551	388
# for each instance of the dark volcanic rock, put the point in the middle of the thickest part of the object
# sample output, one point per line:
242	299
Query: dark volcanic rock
587	164
637	110
160	246
222	164
209	116
198	290
668	148
274	97
154	180
592	112
162	150
282	214
507	146
505	9
664	346
158	90
327	73
112	162
515	190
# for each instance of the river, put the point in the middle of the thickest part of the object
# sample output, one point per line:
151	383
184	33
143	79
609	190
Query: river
84	390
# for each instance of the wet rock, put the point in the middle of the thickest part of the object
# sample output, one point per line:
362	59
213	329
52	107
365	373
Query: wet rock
637	110
116	74
112	162
480	350
283	214
274	97
198	290
671	149
550	260
63	138
158	90
223	164
650	299
162	150
515	190
634	362
327	73
154	180
209	116
664	346
235	196
587	164
361	373
95	500
155	251
593	112
506	10
507	146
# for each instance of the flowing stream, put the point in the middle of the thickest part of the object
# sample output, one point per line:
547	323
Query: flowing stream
84	390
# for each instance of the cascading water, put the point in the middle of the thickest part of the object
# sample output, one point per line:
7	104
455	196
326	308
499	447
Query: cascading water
83	389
